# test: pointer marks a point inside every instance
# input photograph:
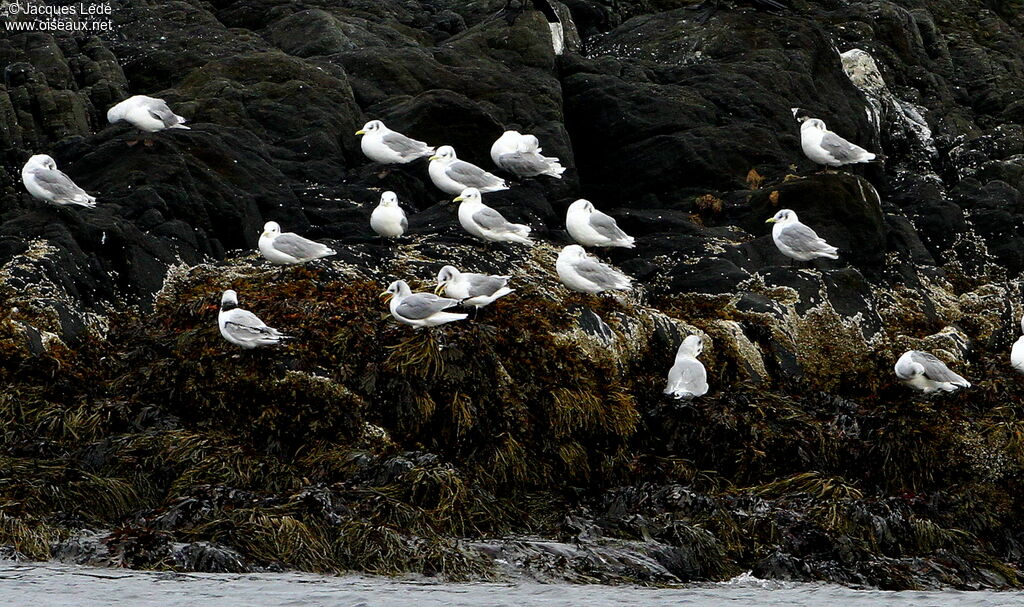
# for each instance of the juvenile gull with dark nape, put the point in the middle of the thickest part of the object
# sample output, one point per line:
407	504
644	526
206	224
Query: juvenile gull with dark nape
242	327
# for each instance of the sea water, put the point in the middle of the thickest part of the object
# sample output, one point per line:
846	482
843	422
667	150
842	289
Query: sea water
61	585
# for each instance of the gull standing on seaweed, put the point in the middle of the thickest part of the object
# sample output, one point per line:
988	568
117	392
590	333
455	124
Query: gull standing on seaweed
289	249
484	222
242	327
471	289
388	219
381	144
44	181
923	371
1017	353
580	272
688	378
592	228
520	155
420	309
147	114
452	175
826	148
797	241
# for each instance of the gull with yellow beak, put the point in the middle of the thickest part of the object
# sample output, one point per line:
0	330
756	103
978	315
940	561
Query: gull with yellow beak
453	176
381	144
797	241
487	224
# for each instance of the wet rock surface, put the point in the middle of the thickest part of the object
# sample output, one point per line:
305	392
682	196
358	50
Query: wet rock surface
535	439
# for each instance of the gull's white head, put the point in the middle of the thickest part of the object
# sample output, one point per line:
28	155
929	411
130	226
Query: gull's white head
510	137
41	161
783	217
388	199
399	288
468	195
573	251
228	300
271	229
812	123
447	274
693	345
445	153
528	143
373	126
582	205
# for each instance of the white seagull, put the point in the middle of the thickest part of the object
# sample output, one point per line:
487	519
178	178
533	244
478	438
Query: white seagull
580	272
477	290
824	147
1017	353
797	241
521	155
420	309
688	378
923	371
452	175
381	144
288	248
388	219
148	114
44	181
484	222
242	327
592	228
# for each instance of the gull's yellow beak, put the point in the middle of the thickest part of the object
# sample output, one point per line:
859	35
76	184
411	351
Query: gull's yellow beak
360	132
770	220
386	296
458	199
440	287
435	157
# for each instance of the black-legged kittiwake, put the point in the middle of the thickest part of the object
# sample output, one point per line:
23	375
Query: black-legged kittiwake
484	222
688	378
381	144
1017	353
148	114
521	155
798	241
452	175
580	272
923	371
592	228
826	148
45	181
288	248
242	327
388	219
420	309
477	290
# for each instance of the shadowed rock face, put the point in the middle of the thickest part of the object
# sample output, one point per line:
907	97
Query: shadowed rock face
805	461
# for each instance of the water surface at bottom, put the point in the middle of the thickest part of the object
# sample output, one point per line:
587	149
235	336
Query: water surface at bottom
60	585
